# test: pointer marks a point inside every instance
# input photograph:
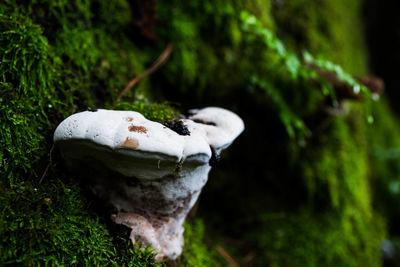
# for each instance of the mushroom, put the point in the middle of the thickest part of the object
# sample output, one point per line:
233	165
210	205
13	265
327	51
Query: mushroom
150	174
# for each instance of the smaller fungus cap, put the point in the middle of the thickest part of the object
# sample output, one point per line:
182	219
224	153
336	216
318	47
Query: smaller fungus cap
220	125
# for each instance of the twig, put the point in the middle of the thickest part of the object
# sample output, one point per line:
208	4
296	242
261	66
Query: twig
226	256
157	64
249	257
48	166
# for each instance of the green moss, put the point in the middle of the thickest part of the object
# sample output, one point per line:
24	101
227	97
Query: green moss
207	44
384	157
312	28
342	167
307	239
28	80
195	252
51	224
156	112
338	180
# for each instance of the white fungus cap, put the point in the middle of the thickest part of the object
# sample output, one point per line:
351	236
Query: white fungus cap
221	126
130	134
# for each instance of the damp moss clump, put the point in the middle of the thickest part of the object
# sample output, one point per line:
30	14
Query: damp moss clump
159	112
52	224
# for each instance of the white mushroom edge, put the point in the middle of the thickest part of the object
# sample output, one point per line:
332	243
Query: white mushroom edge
131	130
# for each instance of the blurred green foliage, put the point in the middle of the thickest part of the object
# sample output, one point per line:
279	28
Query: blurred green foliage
324	184
327	28
300	71
385	158
324	245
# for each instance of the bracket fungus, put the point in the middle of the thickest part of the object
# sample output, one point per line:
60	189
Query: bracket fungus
150	174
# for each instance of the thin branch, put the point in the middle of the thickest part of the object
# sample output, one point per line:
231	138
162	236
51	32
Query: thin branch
48	166
157	64
226	256
249	257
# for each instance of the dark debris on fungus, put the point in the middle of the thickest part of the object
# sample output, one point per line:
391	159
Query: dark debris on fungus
177	126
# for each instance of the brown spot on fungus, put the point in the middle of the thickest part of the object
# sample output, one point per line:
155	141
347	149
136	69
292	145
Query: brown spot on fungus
139	129
131	143
129	119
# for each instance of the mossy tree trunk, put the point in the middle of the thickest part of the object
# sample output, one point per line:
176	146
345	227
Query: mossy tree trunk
295	190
